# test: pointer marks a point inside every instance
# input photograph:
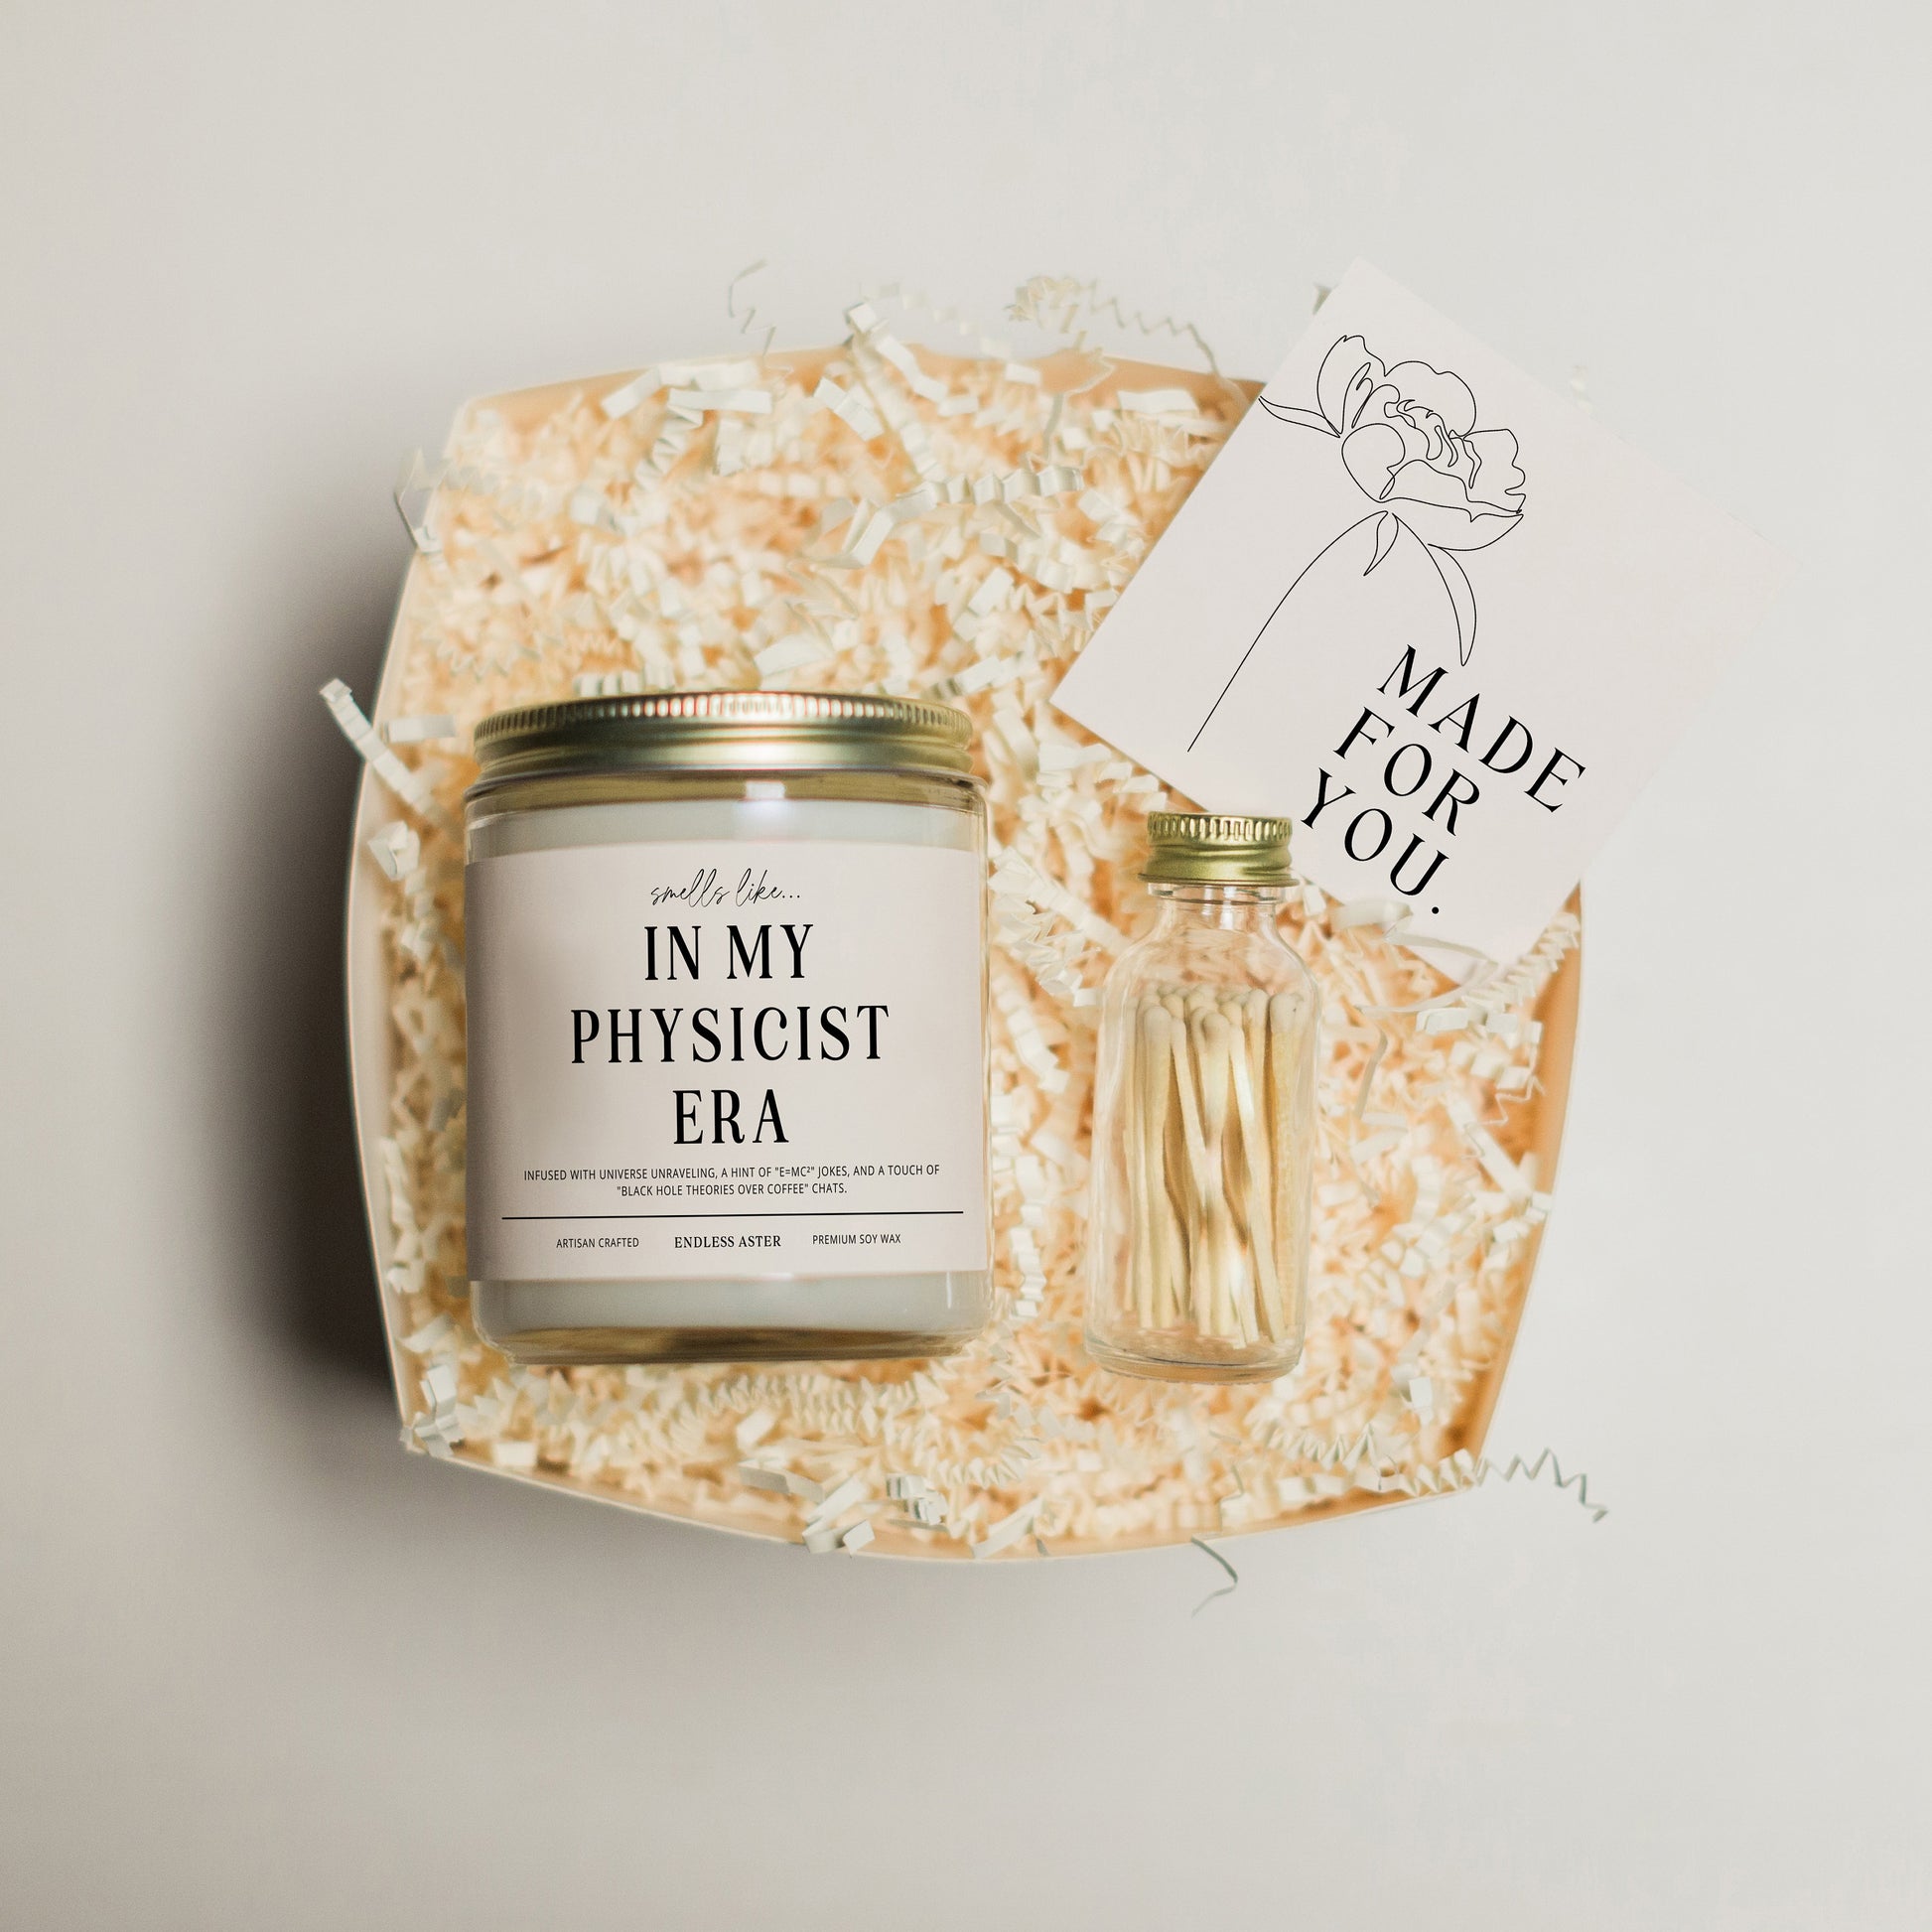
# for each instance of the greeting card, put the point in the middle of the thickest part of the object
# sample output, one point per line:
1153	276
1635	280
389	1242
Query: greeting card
1431	612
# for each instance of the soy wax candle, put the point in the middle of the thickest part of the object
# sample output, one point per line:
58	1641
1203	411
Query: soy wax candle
726	982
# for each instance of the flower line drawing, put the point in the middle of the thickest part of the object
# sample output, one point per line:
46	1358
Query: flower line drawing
1407	436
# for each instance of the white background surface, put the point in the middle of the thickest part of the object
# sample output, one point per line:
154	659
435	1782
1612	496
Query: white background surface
257	1668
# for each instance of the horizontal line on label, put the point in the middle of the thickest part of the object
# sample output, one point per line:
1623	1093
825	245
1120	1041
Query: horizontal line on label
782	1215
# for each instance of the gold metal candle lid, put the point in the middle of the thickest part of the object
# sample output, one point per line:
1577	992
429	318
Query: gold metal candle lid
1216	848
736	731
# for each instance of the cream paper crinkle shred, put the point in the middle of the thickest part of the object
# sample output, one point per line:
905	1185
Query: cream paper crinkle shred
881	518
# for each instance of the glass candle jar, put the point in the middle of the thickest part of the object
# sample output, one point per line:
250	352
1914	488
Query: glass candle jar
1203	1121
725	981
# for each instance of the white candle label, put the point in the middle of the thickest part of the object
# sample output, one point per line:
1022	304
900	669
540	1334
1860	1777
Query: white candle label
725	1058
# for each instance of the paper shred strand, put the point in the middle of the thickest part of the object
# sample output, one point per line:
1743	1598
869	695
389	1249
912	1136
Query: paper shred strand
1233	1575
419	730
408	786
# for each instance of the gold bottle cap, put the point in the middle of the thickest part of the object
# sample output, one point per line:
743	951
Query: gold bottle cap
739	731
1216	848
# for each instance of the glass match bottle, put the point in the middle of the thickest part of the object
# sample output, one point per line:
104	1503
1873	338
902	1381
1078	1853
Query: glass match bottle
1204	1117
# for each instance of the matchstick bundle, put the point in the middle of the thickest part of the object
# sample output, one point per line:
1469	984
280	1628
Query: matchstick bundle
1214	1099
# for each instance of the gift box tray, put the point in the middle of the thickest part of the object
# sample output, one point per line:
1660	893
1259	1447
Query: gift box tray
874	517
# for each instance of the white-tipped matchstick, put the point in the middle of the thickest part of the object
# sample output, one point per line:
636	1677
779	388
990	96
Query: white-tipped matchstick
1147	1050
1259	1202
